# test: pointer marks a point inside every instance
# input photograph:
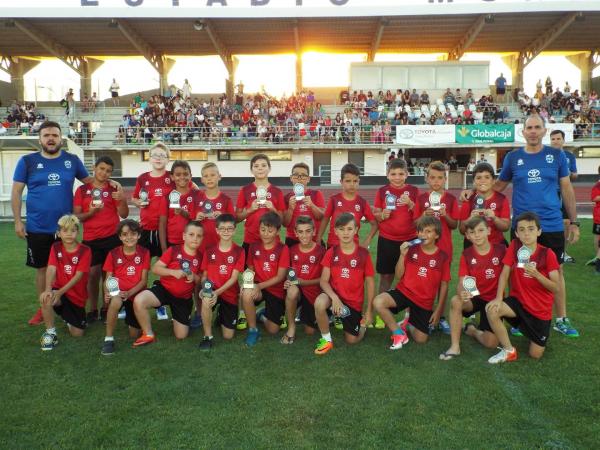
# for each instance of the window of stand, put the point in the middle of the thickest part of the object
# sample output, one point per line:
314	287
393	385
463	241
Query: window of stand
186	155
588	152
246	155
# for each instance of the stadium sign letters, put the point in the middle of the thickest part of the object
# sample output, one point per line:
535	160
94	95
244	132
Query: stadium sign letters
424	134
485	134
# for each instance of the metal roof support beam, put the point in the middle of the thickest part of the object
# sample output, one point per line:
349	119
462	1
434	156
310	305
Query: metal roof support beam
381	24
228	60
17	68
468	38
298	48
159	61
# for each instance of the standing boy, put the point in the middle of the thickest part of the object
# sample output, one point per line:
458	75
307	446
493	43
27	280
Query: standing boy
595	197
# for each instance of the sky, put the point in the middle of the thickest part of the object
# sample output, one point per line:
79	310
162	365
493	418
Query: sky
52	78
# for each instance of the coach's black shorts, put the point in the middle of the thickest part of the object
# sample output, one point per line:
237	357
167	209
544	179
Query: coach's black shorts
227	315
71	313
38	249
102	247
418	317
149	240
479	305
181	308
388	252
596	228
537	330
554	240
307	312
274	307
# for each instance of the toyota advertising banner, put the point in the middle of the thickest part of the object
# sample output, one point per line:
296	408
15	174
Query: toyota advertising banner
566	128
424	134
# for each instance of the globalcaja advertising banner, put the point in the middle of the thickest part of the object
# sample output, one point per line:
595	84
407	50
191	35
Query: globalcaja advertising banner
485	134
566	128
424	134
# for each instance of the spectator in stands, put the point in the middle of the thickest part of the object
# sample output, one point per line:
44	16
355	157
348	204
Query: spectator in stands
424	98
500	87
448	98
114	92
548	85
186	89
453	163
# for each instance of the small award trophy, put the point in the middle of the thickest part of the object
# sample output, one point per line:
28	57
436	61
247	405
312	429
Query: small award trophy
523	255
208	208
414	242
291	276
299	191
470	286
186	267
435	201
112	286
248	279
207	289
390	201
96	197
143	197
479	201
174	197
344	312
261	195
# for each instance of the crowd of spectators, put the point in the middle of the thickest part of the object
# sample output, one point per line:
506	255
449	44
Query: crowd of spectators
21	118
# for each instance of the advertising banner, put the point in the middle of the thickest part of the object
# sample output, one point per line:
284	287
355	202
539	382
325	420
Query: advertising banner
566	128
424	134
485	134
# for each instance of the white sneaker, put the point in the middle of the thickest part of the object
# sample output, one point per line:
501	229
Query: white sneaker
161	313
503	356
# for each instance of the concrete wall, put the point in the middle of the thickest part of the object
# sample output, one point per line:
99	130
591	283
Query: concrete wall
7	94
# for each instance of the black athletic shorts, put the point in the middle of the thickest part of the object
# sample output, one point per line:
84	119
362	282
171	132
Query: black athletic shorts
71	313
274	307
351	323
38	249
596	228
307	312
537	330
388	253
554	240
479	305
130	318
227	315
149	240
101	248
418	317
181	308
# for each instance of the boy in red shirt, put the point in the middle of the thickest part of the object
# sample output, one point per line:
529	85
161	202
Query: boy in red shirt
269	260
221	265
305	258
595	197
487	203
172	221
394	210
312	205
481	261
99	206
347	268
424	272
178	269
347	201
533	272
129	264
66	282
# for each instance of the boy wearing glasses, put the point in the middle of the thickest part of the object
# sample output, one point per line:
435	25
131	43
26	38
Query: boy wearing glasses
301	202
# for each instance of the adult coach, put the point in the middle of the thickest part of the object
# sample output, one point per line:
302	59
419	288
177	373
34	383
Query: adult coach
49	176
535	170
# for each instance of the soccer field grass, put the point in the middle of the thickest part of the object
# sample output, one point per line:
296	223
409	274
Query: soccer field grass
171	395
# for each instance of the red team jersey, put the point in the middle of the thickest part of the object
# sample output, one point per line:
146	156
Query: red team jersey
308	267
176	222
449	201
223	204
400	226
127	268
157	188
219	266
173	258
245	198
497	203
485	268
337	205
596	193
265	264
535	298
423	275
348	272
104	223
67	265
302	210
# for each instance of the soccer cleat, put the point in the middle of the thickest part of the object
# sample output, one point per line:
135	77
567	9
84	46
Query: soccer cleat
379	323
48	341
108	348
323	346
515	332
161	313
592	262
206	344
503	356
37	319
398	340
444	326
283	325
252	337
339	325
242	324
144	339
568	259
196	321
260	315
122	314
564	326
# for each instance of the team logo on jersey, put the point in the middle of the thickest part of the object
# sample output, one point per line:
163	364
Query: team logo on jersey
147	183
336	259
520	162
59	254
53	179
272	257
158	192
195	262
534	176
345	273
119	261
257	253
167	180
432	263
489	274
305	268
189	199
357	207
88	192
130	270
295	257
40	166
422	272
137	260
68	269
493	206
230	259
266	267
414	256
549	159
219	205
473	261
105	194
495	261
352	263
339	203
178	256
75	260
312	259
303	208
213	256
223	269
68	164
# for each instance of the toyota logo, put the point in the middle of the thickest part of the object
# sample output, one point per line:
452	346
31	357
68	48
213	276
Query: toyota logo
533	173
406	134
53	177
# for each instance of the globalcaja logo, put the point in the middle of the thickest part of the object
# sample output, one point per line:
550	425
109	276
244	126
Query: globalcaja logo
463	131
